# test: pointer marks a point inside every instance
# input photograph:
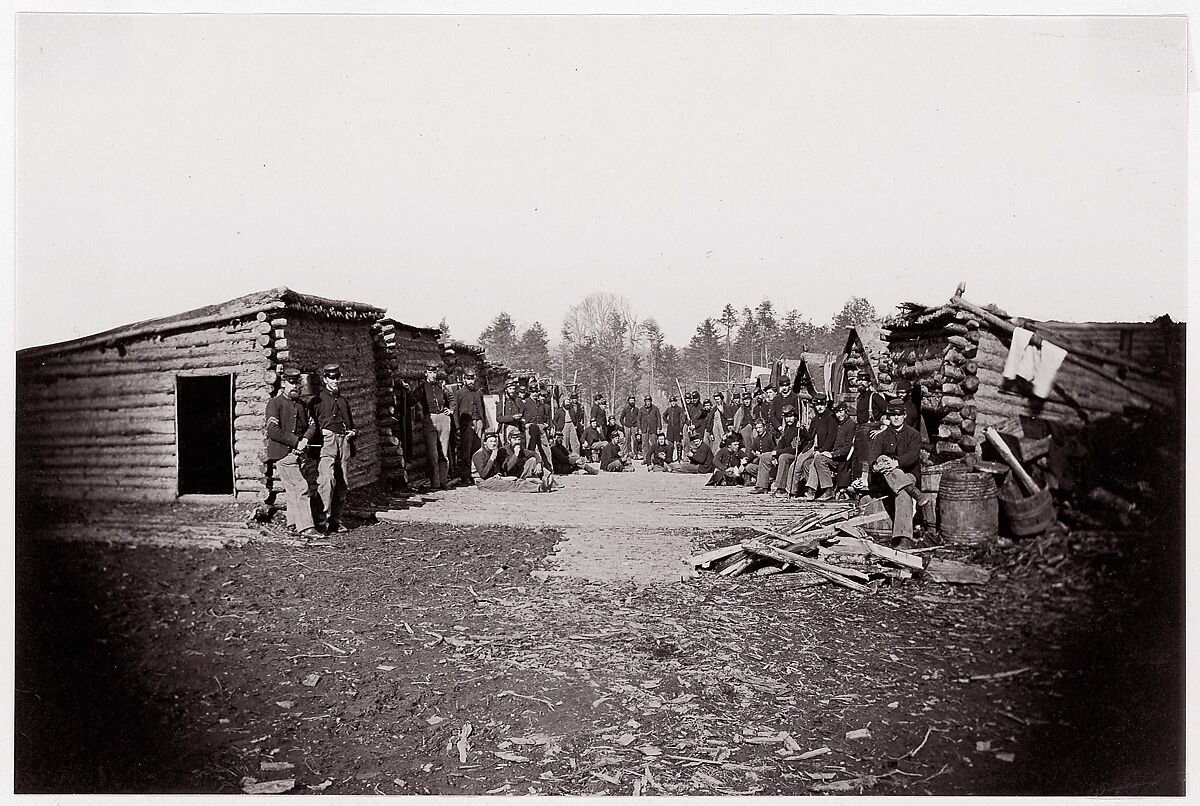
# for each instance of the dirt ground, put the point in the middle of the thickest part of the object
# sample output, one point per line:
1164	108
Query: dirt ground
441	658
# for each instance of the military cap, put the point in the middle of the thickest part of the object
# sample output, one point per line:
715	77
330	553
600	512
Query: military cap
647	397
838	407
820	401
789	409
895	408
431	367
290	374
331	371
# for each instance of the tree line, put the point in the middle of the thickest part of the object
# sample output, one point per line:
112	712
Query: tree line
604	345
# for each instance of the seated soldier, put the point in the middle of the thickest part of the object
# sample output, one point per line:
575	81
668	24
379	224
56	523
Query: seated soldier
729	462
778	467
503	470
893	459
611	458
701	458
593	440
563	462
759	448
661	454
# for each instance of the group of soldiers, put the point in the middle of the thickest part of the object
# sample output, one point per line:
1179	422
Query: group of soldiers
767	439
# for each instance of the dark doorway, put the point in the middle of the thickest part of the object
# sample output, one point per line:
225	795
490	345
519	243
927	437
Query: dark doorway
204	424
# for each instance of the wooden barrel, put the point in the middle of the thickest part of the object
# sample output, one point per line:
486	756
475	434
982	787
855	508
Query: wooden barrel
878	529
1025	515
930	482
967	508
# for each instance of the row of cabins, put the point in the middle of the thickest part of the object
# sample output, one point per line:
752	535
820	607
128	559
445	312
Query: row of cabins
175	406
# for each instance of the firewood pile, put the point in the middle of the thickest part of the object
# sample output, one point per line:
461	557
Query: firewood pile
824	548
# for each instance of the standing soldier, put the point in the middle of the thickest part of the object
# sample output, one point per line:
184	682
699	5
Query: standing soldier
673	419
628	420
599	413
433	404
472	422
333	419
570	421
288	433
649	421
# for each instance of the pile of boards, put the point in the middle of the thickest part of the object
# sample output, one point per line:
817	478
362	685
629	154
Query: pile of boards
825	547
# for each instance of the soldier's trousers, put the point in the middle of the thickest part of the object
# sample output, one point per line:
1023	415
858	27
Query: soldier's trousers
332	475
295	492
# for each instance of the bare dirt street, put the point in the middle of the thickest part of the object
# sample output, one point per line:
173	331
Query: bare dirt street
553	644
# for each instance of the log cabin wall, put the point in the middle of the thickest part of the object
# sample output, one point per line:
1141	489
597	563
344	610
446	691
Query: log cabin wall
309	342
958	362
100	421
409	350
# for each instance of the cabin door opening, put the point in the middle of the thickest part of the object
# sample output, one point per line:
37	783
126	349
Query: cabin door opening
204	429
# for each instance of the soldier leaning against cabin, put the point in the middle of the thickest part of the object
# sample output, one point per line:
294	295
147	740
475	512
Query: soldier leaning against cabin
289	430
472	422
331	411
894	457
433	404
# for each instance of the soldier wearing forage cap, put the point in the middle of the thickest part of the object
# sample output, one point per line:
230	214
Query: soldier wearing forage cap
649	423
472	417
673	420
433	407
331	411
893	458
289	431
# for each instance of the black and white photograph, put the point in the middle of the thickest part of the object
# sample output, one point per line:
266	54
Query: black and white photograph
722	400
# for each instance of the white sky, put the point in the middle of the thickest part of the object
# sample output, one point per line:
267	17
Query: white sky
457	166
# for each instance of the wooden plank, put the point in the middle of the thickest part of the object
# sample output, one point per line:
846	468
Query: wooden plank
893	555
956	572
780	555
715	554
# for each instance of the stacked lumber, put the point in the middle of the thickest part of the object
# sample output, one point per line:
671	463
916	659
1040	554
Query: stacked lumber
956	353
830	548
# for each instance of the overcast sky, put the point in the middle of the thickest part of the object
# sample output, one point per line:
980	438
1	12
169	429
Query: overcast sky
457	166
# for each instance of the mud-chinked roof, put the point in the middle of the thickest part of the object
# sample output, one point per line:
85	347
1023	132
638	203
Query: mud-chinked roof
275	299
462	347
433	331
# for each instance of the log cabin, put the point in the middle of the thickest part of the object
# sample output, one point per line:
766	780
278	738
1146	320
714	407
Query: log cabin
175	407
955	354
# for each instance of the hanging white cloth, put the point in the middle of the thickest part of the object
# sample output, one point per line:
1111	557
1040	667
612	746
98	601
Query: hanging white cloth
1039	366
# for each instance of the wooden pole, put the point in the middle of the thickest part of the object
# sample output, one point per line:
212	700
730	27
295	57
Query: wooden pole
993	436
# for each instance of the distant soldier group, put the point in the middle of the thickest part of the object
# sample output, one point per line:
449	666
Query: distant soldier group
755	439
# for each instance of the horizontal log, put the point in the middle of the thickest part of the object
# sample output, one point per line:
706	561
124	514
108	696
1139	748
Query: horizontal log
137	358
953	374
953	389
950	432
970	384
142	369
967	426
952	418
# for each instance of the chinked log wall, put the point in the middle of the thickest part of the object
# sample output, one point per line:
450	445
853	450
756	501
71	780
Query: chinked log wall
308	342
99	422
408	351
958	363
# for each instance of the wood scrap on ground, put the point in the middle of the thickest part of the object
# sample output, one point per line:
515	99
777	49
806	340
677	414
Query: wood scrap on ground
823	548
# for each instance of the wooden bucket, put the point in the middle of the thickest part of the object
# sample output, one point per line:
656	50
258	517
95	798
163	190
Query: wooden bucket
967	508
1026	515
878	529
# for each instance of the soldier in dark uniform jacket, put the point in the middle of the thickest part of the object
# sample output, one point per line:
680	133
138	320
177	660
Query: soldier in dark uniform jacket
611	458
433	407
649	423
508	409
673	421
471	414
894	457
331	413
593	441
661	454
599	413
289	431
868	410
700	460
729	462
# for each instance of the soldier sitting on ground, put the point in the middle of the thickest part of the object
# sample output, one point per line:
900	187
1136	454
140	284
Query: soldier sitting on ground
563	461
729	462
511	469
661	454
611	458
701	458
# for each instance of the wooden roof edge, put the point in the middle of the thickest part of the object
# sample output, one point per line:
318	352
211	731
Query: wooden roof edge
387	320
279	298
